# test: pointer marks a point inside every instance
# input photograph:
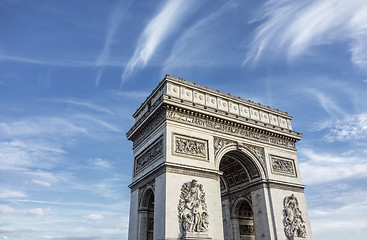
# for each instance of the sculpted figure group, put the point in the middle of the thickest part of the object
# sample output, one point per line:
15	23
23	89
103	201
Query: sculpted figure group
192	209
294	225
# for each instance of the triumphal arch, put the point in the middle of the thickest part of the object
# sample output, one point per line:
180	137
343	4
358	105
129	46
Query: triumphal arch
208	165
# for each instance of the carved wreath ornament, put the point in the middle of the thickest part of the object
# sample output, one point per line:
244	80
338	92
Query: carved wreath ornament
192	210
294	225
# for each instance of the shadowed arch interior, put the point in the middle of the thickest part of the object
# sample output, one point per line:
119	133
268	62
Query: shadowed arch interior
238	169
146	215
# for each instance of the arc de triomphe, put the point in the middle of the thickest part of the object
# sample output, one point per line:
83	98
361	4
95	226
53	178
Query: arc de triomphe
208	165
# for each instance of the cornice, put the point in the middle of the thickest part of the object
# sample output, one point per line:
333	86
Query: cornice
231	118
169	77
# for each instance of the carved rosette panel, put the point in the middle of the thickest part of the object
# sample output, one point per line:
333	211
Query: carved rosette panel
294	224
190	147
282	166
247	229
193	215
149	155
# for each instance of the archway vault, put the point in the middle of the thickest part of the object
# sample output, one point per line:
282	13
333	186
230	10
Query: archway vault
249	160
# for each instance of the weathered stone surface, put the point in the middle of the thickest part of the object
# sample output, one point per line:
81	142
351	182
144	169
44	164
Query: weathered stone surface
189	138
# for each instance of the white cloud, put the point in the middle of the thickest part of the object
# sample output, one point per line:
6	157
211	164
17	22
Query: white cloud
351	128
42	183
36	212
5	209
338	212
295	27
317	168
158	29
6	193
100	163
30	153
94	217
40	125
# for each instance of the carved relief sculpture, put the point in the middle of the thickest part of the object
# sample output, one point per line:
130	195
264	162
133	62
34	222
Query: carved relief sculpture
149	155
294	225
190	147
192	210
282	166
219	143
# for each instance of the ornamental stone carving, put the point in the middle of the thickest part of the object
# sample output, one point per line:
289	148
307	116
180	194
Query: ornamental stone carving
191	147
219	143
149	155
246	132
247	230
192	210
294	224
282	166
258	151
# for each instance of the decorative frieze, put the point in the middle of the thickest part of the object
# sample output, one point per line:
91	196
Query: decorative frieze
220	126
192	209
148	156
149	128
283	166
294	224
190	147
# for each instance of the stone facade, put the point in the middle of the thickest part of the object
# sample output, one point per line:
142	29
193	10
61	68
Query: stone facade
208	165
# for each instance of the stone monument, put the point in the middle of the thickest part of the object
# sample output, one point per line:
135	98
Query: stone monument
208	165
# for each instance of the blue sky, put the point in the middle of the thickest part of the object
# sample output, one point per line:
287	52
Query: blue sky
73	72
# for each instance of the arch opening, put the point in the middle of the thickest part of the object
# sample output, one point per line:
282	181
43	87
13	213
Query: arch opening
238	172
146	215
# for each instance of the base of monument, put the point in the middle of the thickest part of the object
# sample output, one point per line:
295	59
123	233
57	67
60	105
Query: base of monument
195	235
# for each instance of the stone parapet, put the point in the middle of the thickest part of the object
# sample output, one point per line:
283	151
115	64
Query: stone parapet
180	90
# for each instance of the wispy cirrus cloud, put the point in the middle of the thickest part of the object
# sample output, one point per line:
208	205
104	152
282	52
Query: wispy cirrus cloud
293	28
327	103
157	30
41	183
85	104
113	24
196	46
47	62
40	125
72	63
18	154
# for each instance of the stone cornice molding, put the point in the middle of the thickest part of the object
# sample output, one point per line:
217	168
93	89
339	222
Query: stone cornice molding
163	111
214	100
230	127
